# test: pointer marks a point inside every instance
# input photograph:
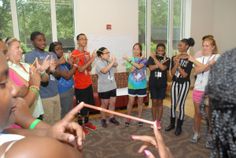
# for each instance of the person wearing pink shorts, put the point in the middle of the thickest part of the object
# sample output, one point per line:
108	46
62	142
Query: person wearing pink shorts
202	66
197	96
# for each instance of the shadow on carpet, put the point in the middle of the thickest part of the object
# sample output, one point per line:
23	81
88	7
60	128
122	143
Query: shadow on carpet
115	141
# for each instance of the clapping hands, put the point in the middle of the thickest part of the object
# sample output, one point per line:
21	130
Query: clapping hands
42	67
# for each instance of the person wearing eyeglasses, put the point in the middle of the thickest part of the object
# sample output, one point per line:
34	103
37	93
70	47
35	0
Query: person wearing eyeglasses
83	80
105	69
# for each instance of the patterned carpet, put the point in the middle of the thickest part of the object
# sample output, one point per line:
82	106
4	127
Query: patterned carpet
115	141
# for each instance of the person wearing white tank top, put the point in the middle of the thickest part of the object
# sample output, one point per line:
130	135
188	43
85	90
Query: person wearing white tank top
202	66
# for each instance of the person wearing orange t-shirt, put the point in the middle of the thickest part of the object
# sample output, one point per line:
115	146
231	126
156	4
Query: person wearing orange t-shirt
83	80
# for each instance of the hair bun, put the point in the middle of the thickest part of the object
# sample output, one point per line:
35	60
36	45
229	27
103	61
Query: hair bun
191	42
100	51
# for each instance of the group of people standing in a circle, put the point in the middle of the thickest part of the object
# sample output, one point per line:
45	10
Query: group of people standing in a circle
179	67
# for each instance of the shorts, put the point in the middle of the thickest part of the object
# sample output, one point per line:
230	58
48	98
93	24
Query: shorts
158	93
197	96
137	92
86	96
108	94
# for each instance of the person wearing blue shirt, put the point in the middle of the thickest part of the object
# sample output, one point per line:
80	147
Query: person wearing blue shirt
48	90
65	72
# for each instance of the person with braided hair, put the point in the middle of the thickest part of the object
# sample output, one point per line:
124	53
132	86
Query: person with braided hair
221	91
158	64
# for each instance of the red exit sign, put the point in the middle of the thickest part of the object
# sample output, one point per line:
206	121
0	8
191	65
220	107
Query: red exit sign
108	26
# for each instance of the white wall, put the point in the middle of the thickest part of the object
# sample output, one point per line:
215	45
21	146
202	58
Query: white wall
201	20
216	17
92	17
224	24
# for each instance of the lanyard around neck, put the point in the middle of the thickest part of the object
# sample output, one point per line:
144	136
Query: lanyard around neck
206	63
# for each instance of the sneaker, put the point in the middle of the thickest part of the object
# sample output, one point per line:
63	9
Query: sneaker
140	124
90	126
104	123
195	138
114	121
86	132
158	125
127	124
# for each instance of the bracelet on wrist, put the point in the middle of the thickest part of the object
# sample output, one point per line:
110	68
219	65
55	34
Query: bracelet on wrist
34	89
33	86
34	123
42	73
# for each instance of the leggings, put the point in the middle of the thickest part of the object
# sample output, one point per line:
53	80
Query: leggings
179	92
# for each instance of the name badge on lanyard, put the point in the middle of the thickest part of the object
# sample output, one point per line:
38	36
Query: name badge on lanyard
158	74
138	76
52	78
110	77
177	74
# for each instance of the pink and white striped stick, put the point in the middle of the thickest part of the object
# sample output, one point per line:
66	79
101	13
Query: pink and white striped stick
119	114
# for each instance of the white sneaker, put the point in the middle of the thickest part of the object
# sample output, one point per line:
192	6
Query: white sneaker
195	138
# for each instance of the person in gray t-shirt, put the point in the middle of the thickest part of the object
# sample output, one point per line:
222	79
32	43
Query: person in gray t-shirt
105	69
